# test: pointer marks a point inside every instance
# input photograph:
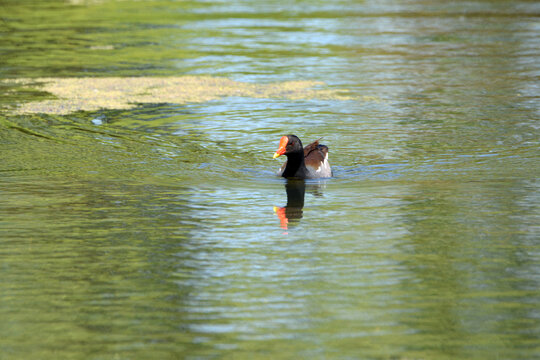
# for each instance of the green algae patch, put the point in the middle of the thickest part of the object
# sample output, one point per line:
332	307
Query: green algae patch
91	94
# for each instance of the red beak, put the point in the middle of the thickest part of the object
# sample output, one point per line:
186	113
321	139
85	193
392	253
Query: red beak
282	146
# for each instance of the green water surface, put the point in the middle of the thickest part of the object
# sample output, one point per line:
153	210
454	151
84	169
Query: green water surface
155	232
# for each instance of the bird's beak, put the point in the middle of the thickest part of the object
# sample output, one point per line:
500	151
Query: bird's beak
282	147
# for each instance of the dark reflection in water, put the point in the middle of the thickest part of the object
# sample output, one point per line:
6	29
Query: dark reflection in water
293	211
295	189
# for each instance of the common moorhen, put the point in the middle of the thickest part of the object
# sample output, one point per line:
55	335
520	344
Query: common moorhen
310	162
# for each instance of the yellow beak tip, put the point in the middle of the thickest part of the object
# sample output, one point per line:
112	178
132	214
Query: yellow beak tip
276	155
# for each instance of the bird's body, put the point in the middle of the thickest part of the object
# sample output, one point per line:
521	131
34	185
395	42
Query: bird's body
310	162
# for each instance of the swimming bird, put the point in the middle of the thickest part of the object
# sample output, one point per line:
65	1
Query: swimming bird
310	162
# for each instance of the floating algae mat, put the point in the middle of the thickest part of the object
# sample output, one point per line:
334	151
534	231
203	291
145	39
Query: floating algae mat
90	94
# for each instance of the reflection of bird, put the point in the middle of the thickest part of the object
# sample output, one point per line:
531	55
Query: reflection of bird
310	162
295	203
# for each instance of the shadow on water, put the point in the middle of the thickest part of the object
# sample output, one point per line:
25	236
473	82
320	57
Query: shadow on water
290	214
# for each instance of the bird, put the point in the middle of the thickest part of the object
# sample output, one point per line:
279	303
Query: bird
310	162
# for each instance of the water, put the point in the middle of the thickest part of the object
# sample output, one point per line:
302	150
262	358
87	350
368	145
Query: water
160	231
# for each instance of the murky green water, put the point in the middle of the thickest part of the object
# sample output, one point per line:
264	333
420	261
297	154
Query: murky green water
151	232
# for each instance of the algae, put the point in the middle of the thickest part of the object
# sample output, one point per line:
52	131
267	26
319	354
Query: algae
91	94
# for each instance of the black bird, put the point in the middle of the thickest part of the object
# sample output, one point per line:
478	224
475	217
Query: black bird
310	162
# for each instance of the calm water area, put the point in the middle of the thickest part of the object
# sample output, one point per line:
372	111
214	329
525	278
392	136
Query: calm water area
160	231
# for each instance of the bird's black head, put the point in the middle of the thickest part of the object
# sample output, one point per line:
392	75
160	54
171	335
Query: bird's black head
289	144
